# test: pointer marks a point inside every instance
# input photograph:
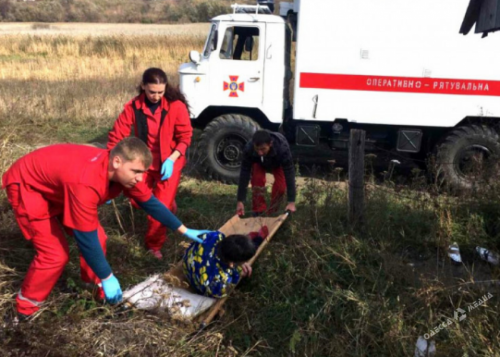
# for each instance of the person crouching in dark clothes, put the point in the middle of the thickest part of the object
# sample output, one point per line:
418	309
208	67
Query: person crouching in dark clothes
219	263
267	151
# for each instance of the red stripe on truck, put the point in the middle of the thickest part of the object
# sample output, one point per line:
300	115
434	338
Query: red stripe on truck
400	84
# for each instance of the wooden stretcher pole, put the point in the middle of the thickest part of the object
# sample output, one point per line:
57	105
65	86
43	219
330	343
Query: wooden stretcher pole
218	305
213	312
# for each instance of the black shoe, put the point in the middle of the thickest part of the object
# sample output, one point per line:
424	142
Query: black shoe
23	317
20	319
14	321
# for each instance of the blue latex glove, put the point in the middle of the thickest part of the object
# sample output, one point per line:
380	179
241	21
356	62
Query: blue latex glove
112	289
194	233
167	168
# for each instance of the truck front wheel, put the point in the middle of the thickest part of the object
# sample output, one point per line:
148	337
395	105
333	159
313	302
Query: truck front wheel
221	146
466	153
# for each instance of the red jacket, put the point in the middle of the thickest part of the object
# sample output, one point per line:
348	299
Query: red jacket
174	134
68	180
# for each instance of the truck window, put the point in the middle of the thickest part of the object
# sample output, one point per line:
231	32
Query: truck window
240	43
211	43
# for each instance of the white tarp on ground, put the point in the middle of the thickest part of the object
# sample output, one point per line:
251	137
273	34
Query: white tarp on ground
157	294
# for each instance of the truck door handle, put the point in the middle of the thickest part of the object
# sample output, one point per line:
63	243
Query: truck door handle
253	79
269	52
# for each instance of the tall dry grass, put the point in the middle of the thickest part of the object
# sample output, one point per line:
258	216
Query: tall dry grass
72	87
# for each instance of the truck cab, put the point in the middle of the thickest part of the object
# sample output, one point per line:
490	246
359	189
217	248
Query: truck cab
239	83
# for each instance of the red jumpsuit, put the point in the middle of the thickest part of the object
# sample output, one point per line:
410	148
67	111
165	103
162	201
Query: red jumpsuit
174	132
53	186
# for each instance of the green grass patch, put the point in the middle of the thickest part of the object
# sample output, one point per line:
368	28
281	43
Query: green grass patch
322	288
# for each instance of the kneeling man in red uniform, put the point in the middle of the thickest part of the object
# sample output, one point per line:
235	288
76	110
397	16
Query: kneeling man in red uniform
62	185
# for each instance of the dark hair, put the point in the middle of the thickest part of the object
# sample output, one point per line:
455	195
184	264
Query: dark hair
236	248
158	76
132	148
261	137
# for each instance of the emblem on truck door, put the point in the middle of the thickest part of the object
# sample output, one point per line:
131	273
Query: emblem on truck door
233	86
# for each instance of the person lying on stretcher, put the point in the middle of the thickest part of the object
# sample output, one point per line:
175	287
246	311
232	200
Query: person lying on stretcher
213	266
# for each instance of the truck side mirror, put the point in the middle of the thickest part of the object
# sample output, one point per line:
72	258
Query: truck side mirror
249	44
195	57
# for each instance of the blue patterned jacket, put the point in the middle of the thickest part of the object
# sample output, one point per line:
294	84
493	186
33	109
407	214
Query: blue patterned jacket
206	273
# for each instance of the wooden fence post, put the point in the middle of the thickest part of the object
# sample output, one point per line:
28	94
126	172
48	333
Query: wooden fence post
356	172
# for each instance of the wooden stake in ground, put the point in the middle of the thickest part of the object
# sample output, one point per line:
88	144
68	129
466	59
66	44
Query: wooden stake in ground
356	203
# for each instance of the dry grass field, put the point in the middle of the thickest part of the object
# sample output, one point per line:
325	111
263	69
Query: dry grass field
101	29
322	288
69	82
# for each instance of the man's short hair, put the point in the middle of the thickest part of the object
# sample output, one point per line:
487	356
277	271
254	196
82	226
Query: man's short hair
261	137
236	248
132	148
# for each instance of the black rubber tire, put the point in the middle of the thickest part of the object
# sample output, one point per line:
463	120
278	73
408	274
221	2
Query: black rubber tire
453	150
221	146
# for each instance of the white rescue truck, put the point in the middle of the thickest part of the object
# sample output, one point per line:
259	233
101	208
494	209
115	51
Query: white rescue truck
398	69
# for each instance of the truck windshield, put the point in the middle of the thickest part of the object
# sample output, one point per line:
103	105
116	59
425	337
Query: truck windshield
211	43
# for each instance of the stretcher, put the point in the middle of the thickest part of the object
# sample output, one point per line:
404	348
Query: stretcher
171	292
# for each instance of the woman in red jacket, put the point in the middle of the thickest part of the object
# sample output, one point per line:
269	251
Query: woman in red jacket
159	116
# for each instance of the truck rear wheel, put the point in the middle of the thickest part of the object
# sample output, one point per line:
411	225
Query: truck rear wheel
466	153
221	146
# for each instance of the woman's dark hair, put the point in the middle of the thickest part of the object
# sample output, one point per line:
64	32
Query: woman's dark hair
236	248
158	76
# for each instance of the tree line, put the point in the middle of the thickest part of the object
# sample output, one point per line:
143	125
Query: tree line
119	11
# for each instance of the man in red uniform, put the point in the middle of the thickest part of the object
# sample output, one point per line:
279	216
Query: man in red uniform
65	184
